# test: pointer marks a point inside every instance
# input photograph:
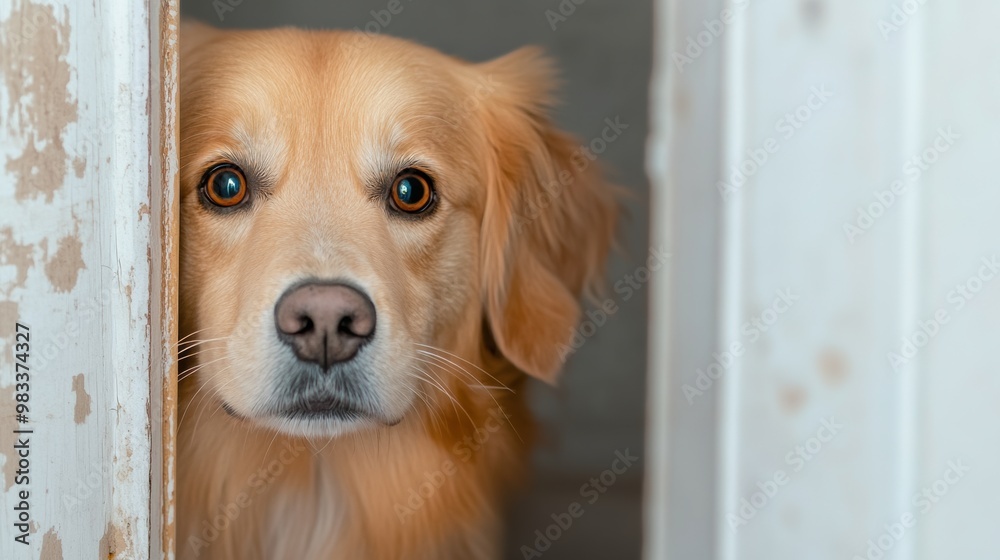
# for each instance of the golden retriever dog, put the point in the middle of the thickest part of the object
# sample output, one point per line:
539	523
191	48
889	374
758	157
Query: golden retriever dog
379	243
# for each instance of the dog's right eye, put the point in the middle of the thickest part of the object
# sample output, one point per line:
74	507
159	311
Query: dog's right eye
225	185
412	192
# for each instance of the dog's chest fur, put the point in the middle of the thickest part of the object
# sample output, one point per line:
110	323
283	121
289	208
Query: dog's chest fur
252	495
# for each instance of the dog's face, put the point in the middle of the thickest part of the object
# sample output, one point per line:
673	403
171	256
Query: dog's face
350	203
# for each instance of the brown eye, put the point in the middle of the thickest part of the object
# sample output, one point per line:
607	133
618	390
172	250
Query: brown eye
412	192
226	186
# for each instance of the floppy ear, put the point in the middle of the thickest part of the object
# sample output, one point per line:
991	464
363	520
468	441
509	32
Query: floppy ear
549	219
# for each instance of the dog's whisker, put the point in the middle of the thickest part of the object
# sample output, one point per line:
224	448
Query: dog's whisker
441	367
190	334
199	352
317	453
210	375
193	370
196	368
476	383
433	412
199	364
443	351
427	404
198	359
450	396
437	412
246	436
437	362
216	392
198	341
195	341
440	383
193	399
497	403
434	383
188	354
191	403
268	450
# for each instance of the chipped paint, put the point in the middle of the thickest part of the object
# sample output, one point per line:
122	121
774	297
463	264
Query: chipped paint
111	543
18	255
9	314
64	267
79	166
37	74
51	546
82	408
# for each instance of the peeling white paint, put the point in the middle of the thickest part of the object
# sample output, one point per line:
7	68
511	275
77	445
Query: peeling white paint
75	176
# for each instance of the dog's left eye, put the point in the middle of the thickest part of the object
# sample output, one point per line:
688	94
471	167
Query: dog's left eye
412	191
225	185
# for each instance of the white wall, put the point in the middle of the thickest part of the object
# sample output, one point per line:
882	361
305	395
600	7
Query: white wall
857	294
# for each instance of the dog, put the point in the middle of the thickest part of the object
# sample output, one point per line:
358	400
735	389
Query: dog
379	245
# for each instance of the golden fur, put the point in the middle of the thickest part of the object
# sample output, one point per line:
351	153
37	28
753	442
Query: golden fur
490	283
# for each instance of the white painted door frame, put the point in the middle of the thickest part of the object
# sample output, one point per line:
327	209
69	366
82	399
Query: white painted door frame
841	154
88	267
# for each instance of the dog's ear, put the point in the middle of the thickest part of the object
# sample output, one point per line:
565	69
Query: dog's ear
549	218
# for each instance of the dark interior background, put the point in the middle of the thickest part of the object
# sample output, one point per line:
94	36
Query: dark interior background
604	48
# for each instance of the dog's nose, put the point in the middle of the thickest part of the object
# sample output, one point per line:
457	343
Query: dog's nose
324	323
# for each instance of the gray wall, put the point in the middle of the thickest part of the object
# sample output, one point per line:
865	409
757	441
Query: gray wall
604	49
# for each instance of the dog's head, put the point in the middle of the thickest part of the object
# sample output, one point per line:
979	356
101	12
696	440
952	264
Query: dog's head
352	205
